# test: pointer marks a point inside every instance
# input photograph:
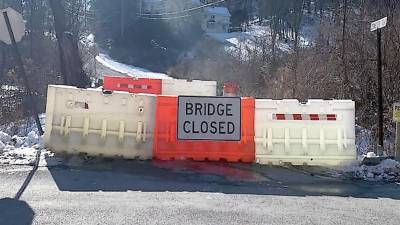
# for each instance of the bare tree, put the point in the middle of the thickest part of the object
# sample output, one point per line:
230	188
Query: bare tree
297	15
71	64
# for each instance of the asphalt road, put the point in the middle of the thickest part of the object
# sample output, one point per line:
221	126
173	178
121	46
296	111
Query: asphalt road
134	192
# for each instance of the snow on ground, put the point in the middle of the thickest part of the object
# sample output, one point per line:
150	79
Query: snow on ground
242	44
20	143
364	140
108	66
388	170
218	11
98	63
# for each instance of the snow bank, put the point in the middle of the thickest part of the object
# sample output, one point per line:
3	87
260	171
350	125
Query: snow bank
388	170
248	42
20	150
4	137
98	64
20	143
107	66
244	44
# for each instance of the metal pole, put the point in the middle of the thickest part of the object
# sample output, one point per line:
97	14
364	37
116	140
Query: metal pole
22	72
380	94
346	93
397	153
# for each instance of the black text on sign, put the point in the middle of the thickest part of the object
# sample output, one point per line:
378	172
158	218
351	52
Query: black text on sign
209	118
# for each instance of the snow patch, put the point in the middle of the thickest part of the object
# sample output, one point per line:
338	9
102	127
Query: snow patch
370	155
106	61
364	140
20	143
250	41
4	137
90	40
243	44
388	170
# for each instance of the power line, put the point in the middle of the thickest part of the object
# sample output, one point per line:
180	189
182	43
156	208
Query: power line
169	17
165	18
180	12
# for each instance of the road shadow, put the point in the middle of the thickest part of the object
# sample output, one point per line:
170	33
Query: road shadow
188	176
15	212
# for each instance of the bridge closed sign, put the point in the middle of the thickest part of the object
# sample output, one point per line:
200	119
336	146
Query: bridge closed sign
209	118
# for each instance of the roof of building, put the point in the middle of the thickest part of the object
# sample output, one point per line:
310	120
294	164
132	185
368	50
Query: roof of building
223	11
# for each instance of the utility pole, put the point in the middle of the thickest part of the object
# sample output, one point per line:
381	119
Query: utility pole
22	72
377	26
345	74
380	94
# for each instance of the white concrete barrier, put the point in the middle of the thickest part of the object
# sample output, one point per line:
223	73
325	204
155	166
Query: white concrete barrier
318	132
193	88
89	121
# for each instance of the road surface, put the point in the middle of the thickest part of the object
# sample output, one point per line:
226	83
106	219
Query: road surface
135	192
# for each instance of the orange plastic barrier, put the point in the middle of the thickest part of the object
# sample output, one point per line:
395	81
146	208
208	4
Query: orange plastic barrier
167	147
230	89
131	85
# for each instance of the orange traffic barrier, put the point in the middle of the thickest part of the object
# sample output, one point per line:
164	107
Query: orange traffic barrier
132	85
166	145
230	89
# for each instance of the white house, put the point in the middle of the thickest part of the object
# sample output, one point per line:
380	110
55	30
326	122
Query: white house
217	20
213	19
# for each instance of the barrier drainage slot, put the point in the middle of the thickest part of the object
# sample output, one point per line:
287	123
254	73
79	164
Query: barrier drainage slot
82	105
107	92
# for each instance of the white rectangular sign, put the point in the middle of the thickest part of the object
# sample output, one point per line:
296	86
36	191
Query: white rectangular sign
379	24
209	118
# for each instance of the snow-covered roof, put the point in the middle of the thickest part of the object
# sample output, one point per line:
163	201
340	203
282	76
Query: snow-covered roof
223	11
